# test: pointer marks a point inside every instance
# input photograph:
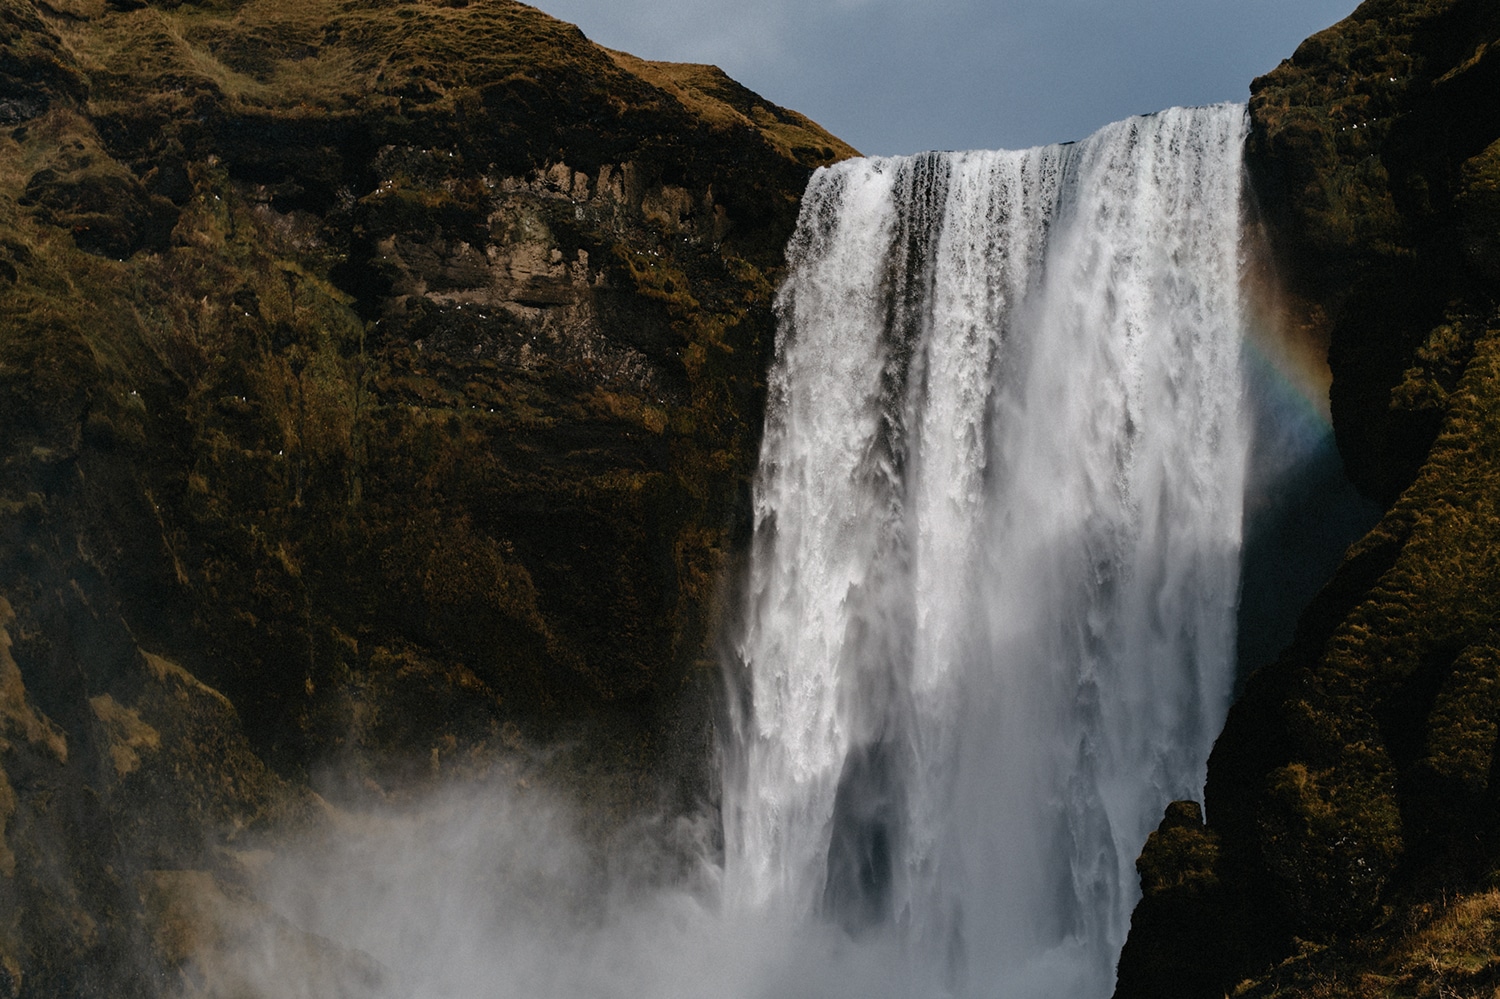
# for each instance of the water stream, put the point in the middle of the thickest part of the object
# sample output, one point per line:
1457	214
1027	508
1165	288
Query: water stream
990	625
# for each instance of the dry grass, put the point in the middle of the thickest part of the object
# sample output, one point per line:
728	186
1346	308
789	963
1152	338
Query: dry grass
708	92
338	56
1461	944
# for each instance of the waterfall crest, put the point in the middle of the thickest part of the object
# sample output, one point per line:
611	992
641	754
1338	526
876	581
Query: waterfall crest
989	624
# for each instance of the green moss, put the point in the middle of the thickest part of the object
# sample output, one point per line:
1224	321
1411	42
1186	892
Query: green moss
656	279
1460	740
1331	840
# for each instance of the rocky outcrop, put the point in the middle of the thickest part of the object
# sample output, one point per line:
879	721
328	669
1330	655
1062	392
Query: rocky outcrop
379	387
1352	799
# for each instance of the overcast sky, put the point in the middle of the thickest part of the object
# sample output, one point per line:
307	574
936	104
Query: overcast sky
900	76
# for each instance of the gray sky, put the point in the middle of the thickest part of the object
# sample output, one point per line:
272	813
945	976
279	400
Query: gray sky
900	76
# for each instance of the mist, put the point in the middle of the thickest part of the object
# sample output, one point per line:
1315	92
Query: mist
490	889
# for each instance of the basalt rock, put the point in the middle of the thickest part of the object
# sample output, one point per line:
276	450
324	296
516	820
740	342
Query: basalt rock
379	389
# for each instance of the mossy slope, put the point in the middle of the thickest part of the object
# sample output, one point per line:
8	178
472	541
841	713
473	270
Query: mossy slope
379	387
1353	797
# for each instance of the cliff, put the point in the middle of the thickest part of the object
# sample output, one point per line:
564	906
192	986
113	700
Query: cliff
1351	846
379	387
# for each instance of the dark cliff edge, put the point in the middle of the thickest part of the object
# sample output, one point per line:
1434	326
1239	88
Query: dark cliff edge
380	383
1352	843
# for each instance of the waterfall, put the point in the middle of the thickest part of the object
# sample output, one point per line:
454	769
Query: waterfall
989	622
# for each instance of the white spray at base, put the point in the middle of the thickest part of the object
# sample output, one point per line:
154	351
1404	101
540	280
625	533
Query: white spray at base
989	632
990	621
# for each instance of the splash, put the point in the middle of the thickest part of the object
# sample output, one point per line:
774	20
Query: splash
990	624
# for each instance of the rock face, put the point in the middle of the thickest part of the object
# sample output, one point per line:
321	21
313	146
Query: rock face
379	387
1351	847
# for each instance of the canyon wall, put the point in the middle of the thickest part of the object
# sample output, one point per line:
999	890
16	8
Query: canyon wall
379	388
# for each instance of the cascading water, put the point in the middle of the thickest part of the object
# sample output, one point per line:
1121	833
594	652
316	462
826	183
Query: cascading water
990	621
989	630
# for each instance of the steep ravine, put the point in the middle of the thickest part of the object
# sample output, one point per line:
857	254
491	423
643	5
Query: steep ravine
1351	846
379	386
